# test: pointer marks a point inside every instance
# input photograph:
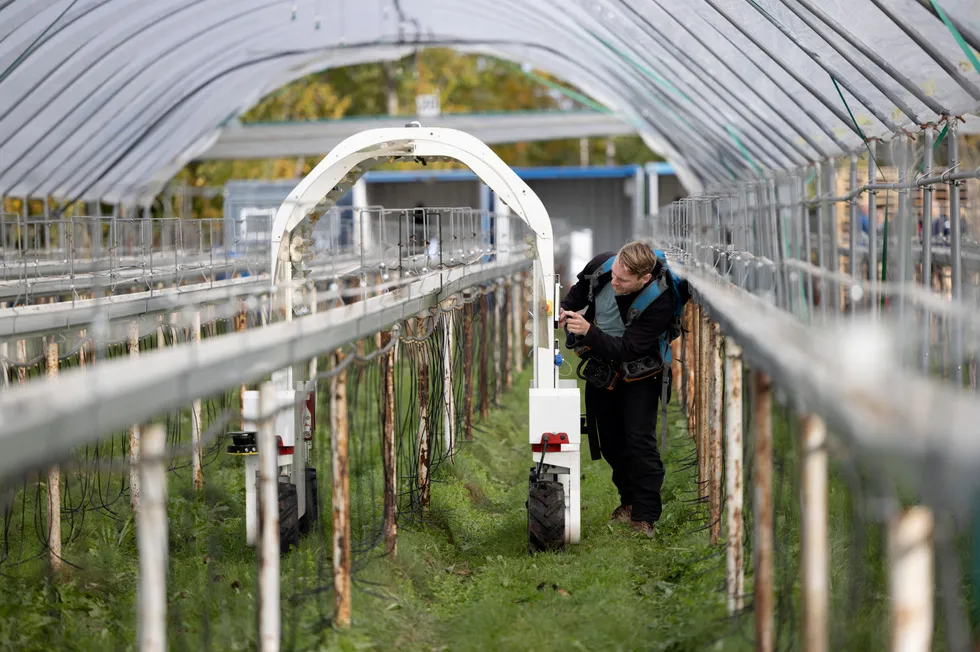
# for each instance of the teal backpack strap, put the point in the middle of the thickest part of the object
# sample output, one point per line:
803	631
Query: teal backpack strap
650	294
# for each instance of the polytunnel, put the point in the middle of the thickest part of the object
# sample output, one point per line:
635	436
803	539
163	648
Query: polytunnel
108	99
818	404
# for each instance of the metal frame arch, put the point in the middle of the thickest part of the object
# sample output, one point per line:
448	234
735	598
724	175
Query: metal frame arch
334	172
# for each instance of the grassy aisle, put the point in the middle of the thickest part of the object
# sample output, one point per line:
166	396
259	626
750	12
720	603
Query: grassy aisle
466	582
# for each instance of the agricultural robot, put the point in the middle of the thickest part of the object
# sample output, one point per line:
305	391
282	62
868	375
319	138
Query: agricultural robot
554	429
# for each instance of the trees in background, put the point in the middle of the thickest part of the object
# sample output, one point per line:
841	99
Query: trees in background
465	83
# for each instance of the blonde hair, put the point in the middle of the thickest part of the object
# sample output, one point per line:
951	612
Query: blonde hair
638	258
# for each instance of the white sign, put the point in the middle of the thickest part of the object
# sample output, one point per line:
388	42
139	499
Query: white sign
427	106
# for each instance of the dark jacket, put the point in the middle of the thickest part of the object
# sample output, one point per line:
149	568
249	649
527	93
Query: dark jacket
641	339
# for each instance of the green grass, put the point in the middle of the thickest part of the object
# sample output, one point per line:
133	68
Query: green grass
466	581
462	579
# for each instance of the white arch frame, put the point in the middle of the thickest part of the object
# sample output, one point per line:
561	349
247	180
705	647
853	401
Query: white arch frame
349	160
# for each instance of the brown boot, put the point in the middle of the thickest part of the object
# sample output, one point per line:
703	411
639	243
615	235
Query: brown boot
643	527
622	514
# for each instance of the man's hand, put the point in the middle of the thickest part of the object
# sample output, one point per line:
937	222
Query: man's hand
562	317
577	324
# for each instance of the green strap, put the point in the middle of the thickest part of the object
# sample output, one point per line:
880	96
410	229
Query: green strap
849	112
956	35
730	170
742	150
858	128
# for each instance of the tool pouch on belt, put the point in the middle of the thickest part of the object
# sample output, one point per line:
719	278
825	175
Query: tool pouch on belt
598	373
643	368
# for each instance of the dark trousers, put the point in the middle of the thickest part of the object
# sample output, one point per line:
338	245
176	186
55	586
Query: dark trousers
626	420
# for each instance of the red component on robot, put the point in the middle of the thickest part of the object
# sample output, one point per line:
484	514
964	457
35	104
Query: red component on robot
555	440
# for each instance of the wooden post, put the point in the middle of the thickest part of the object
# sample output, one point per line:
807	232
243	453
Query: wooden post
388	452
134	430
269	616
694	376
151	535
54	482
484	358
197	419
815	557
468	371
677	368
448	399
340	467
763	512
911	581
704	396
733	475
498	294
425	430
717	399
518	315
241	319
690	362
21	360
507	331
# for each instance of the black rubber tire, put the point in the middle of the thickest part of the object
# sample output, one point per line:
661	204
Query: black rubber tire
545	517
288	517
308	521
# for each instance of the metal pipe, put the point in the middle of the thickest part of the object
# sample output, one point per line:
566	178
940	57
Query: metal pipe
870	54
921	182
817	59
830	106
808	246
928	48
956	258
927	198
753	88
795	289
699	72
831	184
949	175
779	251
873	228
821	239
853	235
965	30
904	219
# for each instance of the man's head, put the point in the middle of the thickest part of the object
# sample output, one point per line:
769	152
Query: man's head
633	267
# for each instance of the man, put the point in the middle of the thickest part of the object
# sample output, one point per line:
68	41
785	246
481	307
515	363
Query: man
624	417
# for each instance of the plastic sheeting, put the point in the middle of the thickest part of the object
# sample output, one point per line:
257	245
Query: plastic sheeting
109	98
